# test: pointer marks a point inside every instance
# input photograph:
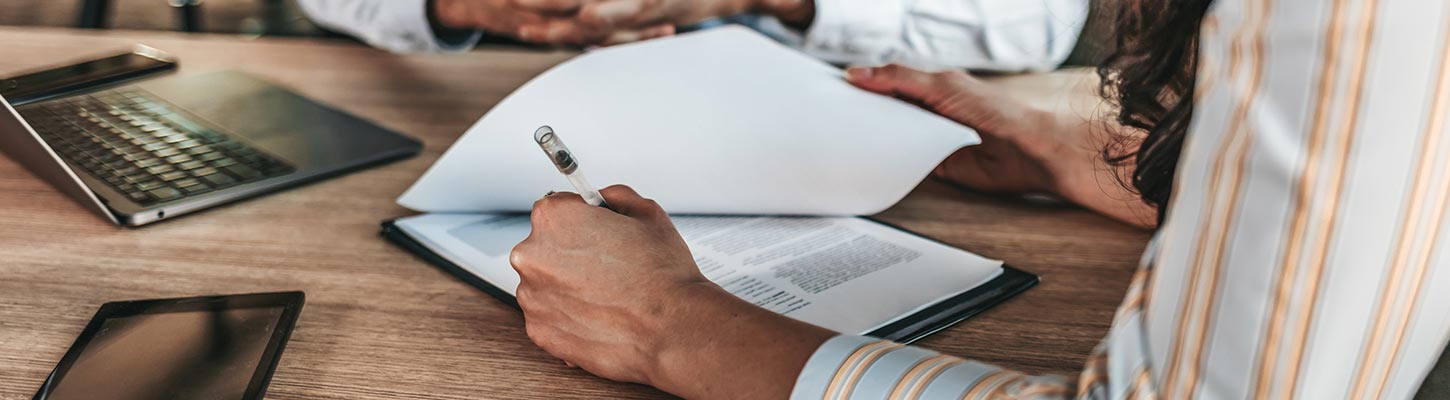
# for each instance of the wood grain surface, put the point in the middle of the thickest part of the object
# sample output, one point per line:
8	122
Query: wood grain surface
380	323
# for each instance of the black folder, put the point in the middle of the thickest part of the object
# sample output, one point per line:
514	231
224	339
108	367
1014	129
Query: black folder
927	321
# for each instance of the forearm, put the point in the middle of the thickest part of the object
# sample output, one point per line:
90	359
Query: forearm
721	347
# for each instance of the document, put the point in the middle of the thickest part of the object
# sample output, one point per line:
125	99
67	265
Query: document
846	274
723	121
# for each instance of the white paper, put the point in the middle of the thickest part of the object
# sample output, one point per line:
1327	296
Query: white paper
845	274
723	121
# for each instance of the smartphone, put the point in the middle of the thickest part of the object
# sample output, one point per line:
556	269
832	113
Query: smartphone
141	62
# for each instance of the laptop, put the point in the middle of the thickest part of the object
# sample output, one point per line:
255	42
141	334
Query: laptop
138	153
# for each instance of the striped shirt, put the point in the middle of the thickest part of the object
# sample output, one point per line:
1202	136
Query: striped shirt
1303	254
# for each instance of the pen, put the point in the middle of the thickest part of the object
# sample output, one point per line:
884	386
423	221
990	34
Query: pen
567	164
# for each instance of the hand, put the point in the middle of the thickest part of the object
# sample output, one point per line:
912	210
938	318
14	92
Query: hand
1011	158
618	294
1024	149
628	21
597	284
537	21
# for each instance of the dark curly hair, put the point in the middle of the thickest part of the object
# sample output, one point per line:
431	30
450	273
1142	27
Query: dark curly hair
1150	76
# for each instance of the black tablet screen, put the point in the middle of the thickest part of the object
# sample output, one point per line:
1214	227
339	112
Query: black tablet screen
202	354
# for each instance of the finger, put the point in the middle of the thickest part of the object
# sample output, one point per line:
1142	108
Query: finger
623	37
554	341
534	305
551	7
546	208
561	31
525	297
624	200
622	13
905	82
522	258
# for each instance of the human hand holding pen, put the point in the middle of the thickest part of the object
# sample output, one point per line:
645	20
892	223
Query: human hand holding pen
619	294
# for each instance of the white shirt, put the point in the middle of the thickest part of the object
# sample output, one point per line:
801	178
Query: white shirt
1000	35
1305	253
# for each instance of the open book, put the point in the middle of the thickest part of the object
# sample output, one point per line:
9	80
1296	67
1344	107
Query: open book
728	123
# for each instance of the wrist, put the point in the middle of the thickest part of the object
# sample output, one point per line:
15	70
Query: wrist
446	15
794	13
1038	133
1073	156
691	307
722	346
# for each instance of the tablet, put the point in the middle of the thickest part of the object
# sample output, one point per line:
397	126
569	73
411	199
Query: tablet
220	347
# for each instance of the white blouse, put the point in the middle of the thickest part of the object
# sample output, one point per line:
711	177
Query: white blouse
1002	35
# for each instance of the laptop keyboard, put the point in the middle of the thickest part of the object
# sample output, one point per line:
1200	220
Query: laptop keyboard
144	149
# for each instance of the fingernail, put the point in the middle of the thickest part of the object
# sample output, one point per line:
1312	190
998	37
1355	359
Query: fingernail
858	73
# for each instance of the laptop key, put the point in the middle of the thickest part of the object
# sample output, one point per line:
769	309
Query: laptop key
138	196
190	165
219	180
165	194
173	175
199	150
198	189
149	162
126	170
203	171
150	185
160	169
186	183
242	172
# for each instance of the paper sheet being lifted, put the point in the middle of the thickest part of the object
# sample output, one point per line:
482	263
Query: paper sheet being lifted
723	121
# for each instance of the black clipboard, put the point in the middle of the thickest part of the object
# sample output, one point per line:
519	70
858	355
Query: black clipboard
913	327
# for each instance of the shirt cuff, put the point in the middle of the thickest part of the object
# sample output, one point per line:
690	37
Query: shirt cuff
412	31
858	367
857	31
450	39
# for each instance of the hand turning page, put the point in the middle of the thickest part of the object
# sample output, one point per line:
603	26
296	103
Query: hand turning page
723	121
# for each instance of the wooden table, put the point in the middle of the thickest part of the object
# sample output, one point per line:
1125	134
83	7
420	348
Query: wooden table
380	323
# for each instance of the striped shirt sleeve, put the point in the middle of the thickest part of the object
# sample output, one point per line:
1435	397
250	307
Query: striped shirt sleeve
1304	253
859	367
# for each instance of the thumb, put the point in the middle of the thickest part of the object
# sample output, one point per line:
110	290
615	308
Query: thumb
893	80
924	88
